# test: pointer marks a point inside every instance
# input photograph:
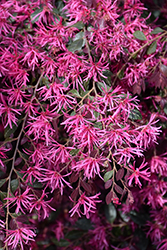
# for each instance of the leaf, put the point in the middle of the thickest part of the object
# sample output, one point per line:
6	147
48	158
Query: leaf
119	174
109	197
24	156
140	35
36	12
165	108
108	175
60	243
138	218
14	185
118	189
86	186
2	182
76	45
75	234
102	86
74	177
135	115
140	240
78	25
108	184
3	195
110	212
84	224
121	74
163	69
152	48
9	131
74	194
74	152
79	35
36	184
18	161
85	93
74	92
157	30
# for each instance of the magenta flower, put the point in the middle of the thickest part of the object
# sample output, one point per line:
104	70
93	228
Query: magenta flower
87	203
55	180
2	224
158	164
19	236
90	165
148	133
21	200
8	114
145	174
42	207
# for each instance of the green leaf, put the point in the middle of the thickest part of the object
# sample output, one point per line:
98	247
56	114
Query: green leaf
157	30
3	195
60	243
152	48
138	218
2	182
36	184
79	35
75	234
37	11
46	82
121	74
84	224
74	152
76	45
139	35
78	25
14	185
110	212
102	86
108	175
85	93
135	115
9	131
140	239
24	156
75	93
165	108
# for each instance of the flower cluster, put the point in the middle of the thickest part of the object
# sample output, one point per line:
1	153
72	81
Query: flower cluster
76	134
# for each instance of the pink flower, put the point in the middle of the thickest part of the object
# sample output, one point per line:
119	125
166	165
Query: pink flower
42	207
139	173
41	127
98	238
21	200
19	236
90	165
87	203
148	133
2	224
8	114
55	180
158	164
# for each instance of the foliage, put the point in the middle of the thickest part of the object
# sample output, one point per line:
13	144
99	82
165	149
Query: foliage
82	125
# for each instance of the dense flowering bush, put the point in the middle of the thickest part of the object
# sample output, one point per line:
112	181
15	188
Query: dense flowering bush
83	107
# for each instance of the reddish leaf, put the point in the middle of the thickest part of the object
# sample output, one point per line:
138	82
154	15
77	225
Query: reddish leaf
119	174
74	177
108	184
86	186
109	197
74	194
18	161
118	189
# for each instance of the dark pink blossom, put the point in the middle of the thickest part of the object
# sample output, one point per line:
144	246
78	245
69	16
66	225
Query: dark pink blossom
87	203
